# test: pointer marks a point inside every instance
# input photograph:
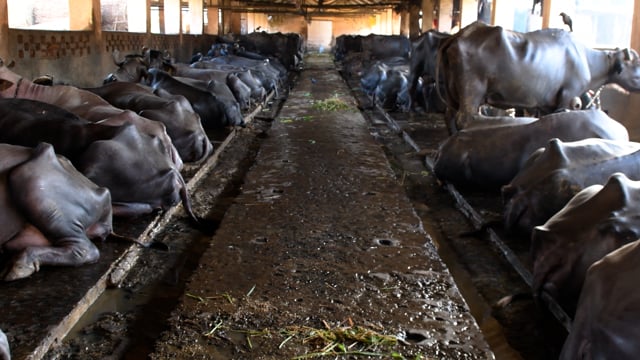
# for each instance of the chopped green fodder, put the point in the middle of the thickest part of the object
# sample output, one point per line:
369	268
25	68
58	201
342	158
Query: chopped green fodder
331	104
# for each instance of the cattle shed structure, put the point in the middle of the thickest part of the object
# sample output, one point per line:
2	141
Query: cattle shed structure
310	221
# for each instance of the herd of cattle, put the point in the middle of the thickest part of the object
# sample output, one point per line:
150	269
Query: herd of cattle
72	158
568	175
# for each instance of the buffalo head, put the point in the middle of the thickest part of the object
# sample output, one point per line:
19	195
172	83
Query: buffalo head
626	69
131	68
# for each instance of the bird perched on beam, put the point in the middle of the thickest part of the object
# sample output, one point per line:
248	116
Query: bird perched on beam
566	19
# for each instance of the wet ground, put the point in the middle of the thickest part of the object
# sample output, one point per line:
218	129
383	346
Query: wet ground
362	252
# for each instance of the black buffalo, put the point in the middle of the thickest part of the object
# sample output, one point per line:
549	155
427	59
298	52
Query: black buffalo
540	71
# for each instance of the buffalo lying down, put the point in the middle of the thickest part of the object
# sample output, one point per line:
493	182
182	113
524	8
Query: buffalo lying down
489	157
50	211
84	104
131	164
174	111
606	321
598	220
554	174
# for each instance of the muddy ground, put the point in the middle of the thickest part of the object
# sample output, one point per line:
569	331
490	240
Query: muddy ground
128	319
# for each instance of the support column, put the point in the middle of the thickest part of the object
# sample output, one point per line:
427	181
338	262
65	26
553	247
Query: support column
632	105
414	25
196	10
635	26
404	22
80	13
546	13
212	19
96	14
172	16
445	12
4	31
428	7
148	16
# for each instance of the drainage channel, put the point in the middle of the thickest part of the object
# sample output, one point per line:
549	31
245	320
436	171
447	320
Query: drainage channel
479	221
498	332
125	320
475	217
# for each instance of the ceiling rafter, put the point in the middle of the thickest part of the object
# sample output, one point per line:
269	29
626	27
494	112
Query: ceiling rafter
307	6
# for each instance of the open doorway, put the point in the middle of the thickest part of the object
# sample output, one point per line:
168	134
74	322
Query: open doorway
319	35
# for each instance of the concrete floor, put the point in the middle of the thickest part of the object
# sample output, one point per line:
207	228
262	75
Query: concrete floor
321	236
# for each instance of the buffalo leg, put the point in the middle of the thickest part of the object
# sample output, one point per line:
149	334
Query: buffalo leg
4	347
67	252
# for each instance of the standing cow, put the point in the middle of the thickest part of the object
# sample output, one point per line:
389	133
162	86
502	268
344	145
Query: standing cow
540	71
423	66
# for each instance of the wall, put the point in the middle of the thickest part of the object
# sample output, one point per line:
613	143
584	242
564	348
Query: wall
386	22
81	59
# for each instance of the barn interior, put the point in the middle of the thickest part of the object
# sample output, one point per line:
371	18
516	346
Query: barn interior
325	220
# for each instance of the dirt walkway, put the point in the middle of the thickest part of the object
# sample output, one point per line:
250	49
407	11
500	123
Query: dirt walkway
322	241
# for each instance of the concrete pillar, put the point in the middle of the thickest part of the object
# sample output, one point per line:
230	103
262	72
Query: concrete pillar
631	103
161	23
546	13
148	16
172	16
137	16
428	7
4	31
96	14
404	22
212	18
551	10
635	26
80	13
196	12
445	12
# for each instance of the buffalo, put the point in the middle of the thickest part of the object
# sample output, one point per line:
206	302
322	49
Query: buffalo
596	221
471	159
540	71
50	211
